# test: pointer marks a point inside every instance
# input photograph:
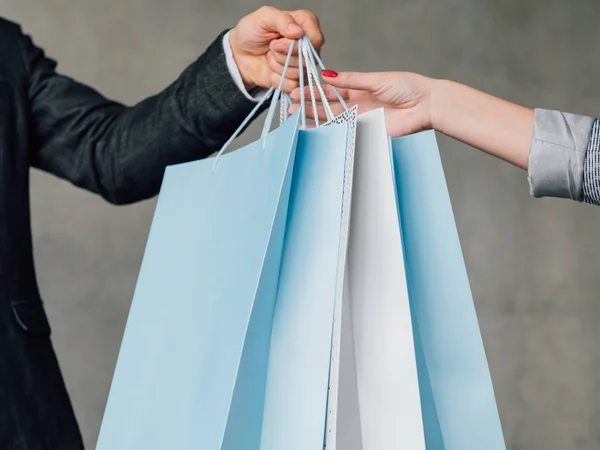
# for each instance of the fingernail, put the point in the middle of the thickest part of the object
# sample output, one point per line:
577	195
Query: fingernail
294	28
279	48
329	73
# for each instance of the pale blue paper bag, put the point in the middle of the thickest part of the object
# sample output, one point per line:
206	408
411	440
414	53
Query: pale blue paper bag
297	383
458	402
311	278
192	367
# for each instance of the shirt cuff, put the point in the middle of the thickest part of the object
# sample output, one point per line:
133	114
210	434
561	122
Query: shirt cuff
257	94
590	191
557	155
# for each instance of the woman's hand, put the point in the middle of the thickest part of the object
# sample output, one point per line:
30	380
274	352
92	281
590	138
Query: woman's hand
406	98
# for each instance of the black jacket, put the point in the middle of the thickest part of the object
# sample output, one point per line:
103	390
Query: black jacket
53	123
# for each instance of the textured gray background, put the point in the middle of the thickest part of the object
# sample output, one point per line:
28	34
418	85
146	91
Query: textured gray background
533	264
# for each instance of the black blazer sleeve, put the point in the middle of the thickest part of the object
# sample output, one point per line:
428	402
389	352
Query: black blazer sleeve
121	152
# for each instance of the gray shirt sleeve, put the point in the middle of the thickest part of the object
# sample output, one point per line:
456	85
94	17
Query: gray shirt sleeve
558	154
590	192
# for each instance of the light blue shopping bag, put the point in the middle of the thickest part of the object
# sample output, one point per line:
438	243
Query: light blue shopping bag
203	304
457	395
297	383
192	368
310	281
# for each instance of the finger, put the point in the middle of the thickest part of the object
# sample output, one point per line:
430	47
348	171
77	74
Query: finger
282	46
369	82
273	20
329	93
311	26
287	86
281	57
292	73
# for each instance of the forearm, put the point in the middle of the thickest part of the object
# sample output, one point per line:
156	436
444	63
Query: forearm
561	151
495	126
189	120
121	152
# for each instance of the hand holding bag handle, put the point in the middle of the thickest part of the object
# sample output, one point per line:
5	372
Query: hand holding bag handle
308	55
269	119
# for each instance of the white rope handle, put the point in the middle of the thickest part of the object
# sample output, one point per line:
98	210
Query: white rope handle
312	69
307	55
322	66
284	104
311	88
301	80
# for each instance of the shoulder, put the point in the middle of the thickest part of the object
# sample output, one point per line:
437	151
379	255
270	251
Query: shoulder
7	27
11	35
11	53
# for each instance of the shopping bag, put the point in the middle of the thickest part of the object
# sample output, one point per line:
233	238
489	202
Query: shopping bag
311	273
457	395
296	398
203	302
192	368
378	318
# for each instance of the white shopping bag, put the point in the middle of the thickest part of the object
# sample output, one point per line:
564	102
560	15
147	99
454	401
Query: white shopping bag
374	391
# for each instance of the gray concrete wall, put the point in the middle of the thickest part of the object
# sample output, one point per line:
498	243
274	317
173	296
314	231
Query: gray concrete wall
533	264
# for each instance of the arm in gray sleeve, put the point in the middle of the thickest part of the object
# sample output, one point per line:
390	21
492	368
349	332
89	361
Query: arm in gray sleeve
558	154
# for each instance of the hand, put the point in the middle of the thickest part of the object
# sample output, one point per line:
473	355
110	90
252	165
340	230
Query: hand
406	98
260	43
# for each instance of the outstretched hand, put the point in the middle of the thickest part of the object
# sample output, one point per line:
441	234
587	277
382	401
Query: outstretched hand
405	97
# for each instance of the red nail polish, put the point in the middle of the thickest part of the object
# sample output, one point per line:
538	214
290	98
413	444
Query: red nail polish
329	73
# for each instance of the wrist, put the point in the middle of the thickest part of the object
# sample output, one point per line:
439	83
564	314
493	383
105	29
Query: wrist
437	93
244	63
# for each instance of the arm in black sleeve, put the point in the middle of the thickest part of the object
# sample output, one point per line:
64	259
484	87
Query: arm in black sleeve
121	152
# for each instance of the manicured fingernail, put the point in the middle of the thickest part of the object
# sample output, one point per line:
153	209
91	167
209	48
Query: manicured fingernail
329	73
294	28
279	48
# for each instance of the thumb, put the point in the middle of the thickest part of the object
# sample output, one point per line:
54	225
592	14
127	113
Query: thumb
361	81
273	20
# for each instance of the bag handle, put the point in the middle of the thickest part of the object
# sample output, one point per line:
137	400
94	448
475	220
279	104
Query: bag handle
313	80
308	52
271	113
269	120
322	67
